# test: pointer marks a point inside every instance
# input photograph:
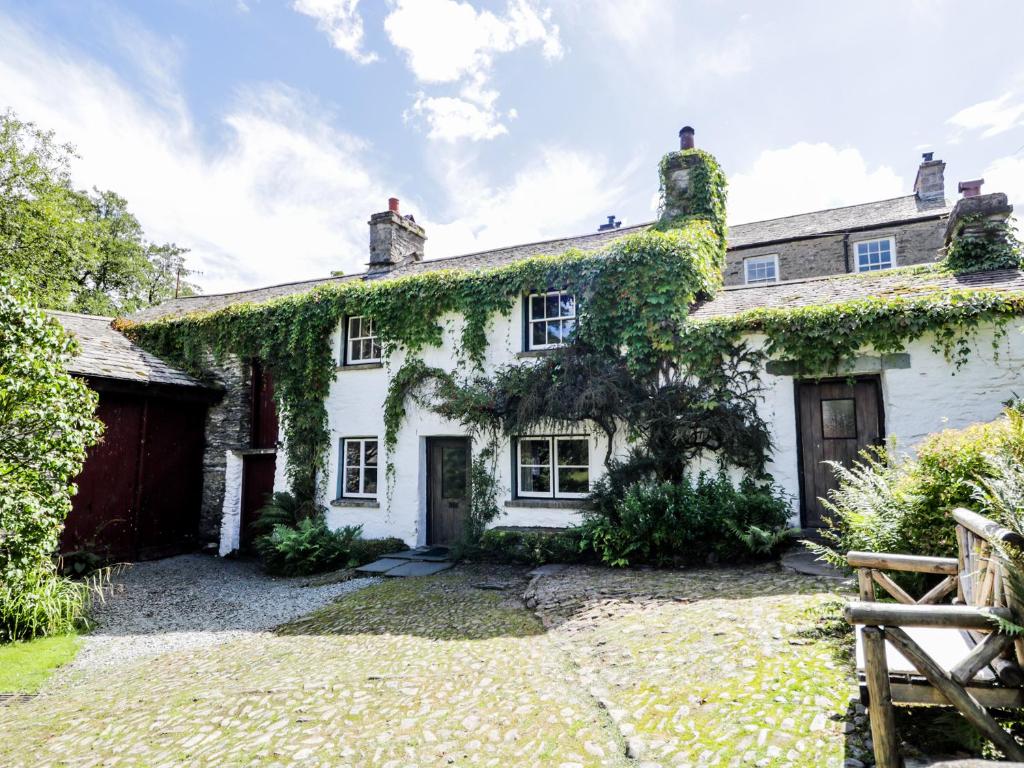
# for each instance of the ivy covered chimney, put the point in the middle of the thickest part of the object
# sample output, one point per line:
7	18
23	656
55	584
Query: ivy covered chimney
394	239
692	184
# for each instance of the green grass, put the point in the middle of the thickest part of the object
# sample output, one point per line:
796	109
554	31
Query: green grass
24	667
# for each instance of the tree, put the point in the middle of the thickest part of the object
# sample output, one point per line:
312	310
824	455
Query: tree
75	250
46	425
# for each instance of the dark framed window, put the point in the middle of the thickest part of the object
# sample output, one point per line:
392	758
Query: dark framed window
362	345
359	466
553	467
550	319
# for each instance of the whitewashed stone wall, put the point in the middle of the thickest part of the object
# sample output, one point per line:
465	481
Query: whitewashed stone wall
927	396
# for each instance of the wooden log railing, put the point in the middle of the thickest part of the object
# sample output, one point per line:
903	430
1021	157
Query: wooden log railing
872	566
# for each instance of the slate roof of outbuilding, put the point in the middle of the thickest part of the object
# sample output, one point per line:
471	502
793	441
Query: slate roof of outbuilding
879	213
106	353
822	291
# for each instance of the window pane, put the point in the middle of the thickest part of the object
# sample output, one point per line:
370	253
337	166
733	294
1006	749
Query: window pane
573	453
352	453
555	332
353	327
535	452
839	419
536	307
366	353
453	472
370	480
375	351
551	305
567	305
539	337
535	480
573	480
352	481
370	453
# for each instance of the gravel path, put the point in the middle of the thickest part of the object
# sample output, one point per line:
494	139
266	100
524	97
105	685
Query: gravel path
193	601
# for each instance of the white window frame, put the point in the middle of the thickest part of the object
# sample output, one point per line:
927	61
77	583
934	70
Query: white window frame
531	320
553	467
362	467
773	257
350	339
892	251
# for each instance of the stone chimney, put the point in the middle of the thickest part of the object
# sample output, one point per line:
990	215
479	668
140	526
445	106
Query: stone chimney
930	184
394	239
970	188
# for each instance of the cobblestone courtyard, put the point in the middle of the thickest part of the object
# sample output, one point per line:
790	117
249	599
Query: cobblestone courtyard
607	668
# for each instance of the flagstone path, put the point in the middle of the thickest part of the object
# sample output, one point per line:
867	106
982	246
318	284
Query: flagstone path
609	668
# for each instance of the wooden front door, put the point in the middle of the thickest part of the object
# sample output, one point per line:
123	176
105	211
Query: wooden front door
257	487
836	420
447	489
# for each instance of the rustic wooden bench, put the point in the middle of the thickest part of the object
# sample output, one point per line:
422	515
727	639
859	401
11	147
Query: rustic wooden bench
918	651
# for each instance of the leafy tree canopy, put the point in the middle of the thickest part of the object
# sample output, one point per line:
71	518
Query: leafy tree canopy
75	250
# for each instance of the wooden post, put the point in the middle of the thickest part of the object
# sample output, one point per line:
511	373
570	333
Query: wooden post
976	714
866	585
880	711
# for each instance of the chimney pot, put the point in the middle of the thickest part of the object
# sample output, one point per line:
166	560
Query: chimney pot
927	156
970	188
393	204
686	137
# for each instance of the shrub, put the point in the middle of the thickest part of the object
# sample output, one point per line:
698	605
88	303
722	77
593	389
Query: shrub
282	508
46	425
530	547
889	504
363	551
665	523
310	547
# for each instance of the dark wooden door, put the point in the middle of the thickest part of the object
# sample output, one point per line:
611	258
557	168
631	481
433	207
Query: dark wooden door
103	516
837	420
447	489
257	486
264	414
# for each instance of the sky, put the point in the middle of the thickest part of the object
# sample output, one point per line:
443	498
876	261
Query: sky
261	134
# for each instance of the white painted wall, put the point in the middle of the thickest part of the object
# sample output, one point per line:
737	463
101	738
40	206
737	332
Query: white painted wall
927	397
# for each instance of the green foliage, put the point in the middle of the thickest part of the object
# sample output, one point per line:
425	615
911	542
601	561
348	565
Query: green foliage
484	490
821	339
980	244
46	425
41	602
634	294
283	508
74	250
530	546
885	504
363	551
692	521
309	547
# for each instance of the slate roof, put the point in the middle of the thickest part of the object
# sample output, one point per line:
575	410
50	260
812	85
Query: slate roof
867	215
819	291
105	353
898	210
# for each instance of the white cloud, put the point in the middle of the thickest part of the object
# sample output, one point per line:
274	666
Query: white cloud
273	203
992	117
807	177
1007	175
341	21
446	41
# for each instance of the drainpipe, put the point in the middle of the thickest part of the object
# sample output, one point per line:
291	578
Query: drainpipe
846	251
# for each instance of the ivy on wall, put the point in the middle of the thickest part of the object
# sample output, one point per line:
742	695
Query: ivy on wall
633	295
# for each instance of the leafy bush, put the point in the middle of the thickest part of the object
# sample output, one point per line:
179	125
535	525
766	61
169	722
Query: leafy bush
310	547
530	547
363	551
46	425
897	504
665	523
283	508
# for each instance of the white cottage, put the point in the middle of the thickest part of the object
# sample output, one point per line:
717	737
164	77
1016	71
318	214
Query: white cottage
814	259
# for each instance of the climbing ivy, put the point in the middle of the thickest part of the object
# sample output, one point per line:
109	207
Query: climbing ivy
980	244
633	296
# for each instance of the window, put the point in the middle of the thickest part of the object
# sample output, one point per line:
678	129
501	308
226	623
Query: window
761	269
873	255
839	419
553	467
362	345
551	319
359	467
